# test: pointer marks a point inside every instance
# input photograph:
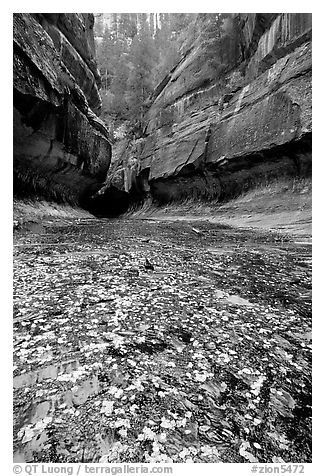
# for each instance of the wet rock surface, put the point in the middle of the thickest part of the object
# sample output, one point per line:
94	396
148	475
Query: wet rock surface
62	150
203	356
211	133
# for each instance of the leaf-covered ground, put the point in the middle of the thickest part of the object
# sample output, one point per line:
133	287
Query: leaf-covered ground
146	341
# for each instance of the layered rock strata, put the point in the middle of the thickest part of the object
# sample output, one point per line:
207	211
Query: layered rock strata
62	149
213	132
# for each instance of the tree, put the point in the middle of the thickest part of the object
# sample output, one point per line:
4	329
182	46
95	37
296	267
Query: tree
114	68
99	24
140	85
105	53
128	25
167	50
212	37
136	52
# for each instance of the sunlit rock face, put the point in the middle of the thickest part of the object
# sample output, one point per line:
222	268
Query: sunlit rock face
213	132
62	149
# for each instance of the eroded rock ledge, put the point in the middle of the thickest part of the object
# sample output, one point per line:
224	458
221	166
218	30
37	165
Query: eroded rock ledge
213	134
62	149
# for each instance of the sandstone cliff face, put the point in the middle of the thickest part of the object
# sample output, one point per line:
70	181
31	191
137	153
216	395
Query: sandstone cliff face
61	148
214	133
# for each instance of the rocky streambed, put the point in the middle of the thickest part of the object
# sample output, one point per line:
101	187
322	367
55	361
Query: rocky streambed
140	340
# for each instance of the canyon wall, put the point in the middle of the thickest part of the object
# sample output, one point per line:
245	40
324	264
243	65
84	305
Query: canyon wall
214	130
62	150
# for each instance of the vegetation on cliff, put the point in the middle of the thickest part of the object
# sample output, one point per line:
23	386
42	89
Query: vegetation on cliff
233	112
179	333
135	52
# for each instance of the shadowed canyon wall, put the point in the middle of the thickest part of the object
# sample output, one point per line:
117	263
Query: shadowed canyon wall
227	116
62	150
213	131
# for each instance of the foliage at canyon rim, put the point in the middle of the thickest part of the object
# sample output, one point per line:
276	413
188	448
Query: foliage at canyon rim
137	51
